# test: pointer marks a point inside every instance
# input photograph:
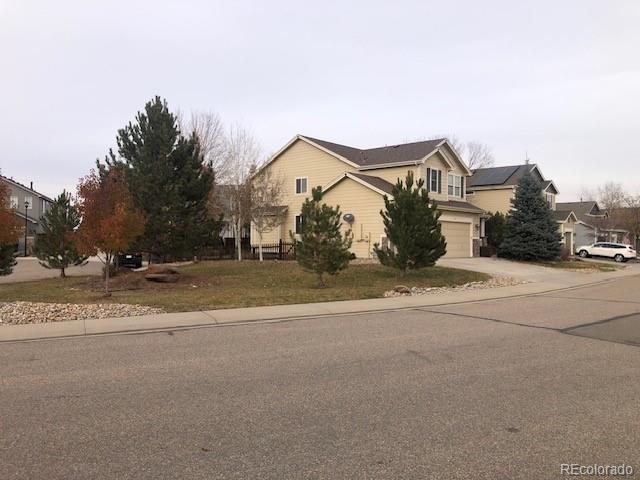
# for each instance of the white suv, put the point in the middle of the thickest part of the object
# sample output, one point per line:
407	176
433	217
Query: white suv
618	251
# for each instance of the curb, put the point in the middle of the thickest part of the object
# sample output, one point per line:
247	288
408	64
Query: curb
252	315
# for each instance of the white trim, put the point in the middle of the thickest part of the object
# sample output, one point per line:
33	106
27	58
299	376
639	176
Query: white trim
390	165
554	186
491	187
456	156
334	182
295	186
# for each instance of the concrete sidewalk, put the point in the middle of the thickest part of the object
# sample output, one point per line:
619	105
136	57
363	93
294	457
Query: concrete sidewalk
554	281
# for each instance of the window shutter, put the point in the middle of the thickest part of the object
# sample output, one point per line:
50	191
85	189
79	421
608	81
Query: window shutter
428	179
439	181
461	187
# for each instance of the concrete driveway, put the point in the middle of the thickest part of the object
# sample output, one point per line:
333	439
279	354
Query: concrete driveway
29	269
502	389
524	271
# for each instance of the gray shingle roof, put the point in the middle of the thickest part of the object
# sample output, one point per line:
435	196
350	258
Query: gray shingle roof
405	152
581	209
458	204
376	182
561	215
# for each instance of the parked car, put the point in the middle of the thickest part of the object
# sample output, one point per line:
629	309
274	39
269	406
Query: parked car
130	260
618	251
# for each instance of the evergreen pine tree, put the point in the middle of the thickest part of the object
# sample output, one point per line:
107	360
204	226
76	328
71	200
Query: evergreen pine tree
7	259
169	181
55	247
494	229
322	247
530	232
411	226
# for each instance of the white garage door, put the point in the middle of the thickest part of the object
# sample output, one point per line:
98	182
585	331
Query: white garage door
458	237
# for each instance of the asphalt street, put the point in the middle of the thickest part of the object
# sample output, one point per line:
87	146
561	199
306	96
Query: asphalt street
500	389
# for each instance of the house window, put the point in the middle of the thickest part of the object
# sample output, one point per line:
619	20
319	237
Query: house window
433	181
28	200
549	198
13	202
301	185
455	185
299	224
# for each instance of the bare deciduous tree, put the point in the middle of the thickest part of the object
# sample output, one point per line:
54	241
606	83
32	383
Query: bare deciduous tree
475	154
611	196
266	198
629	218
241	153
588	194
478	155
210	131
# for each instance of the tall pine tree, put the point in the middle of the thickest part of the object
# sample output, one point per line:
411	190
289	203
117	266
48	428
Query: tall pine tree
55	247
411	226
530	232
322	247
169	180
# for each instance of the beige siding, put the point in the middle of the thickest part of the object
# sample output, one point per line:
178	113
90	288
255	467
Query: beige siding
365	205
272	236
304	160
497	200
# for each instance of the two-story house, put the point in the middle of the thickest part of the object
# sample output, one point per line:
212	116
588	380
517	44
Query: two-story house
29	207
493	188
358	179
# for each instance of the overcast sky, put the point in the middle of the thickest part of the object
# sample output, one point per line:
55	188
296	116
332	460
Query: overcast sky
557	80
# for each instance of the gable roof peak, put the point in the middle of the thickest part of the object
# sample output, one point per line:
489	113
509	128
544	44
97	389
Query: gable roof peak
380	156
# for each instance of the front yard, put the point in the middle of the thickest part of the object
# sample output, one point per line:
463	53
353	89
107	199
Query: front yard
229	284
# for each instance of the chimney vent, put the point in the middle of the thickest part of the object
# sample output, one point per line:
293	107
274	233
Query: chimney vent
31	187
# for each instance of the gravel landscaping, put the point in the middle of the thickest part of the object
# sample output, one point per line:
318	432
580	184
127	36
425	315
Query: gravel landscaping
493	282
16	313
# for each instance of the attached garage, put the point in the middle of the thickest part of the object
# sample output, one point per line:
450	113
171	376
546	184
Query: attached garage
458	237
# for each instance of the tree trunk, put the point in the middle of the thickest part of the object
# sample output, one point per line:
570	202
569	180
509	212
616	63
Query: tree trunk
237	233
106	276
62	274
260	246
321	283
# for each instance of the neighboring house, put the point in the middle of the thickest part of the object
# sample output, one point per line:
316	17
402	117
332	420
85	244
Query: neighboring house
358	179
593	224
493	188
29	206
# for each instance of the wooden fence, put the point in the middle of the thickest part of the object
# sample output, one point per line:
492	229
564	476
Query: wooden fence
275	251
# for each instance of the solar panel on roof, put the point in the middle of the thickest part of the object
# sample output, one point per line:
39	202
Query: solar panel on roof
492	176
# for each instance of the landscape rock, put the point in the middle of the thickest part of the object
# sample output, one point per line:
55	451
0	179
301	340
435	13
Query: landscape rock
162	277
16	313
493	282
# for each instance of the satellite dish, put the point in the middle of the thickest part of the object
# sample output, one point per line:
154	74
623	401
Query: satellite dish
348	217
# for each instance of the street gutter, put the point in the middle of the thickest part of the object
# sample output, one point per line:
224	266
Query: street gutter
277	313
